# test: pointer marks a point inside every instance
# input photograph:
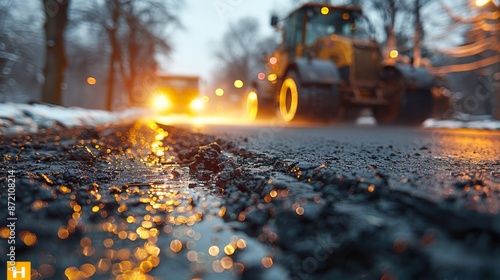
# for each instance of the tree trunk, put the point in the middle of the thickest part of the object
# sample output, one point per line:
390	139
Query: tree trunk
133	49
56	17
133	52
391	43
131	63
115	53
113	58
417	51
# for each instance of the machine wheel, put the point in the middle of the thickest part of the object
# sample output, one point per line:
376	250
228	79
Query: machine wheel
405	107
257	108
416	107
312	102
394	91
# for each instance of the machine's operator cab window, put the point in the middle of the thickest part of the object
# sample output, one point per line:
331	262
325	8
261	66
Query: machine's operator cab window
323	22
293	34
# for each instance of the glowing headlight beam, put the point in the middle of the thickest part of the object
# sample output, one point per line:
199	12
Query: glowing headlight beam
196	105
161	102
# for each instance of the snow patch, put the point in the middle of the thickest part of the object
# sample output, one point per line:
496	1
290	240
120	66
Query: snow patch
17	118
487	124
366	120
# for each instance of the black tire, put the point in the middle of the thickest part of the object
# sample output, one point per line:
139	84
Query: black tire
416	107
297	102
405	107
394	91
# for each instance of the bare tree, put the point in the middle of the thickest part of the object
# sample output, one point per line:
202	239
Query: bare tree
419	33
112	30
145	25
56	18
238	51
135	30
386	14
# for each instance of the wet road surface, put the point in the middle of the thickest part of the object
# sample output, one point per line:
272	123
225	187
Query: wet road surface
400	203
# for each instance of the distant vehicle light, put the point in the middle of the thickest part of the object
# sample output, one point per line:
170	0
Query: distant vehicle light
161	102
345	16
219	92
325	11
91	81
238	84
261	76
196	105
394	54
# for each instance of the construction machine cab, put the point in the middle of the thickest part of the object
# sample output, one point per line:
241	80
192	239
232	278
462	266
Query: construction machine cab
324	32
305	25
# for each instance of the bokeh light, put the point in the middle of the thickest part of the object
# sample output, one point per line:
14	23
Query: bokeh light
394	54
238	84
91	81
267	262
219	92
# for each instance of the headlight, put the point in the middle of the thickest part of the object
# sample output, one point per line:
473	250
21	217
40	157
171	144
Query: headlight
196	105
161	102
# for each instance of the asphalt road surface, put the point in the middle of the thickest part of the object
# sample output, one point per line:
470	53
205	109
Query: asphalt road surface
437	201
428	160
152	200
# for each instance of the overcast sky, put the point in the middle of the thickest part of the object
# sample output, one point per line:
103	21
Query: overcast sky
205	23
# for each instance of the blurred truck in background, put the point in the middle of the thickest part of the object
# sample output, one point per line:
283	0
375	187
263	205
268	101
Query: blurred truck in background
178	94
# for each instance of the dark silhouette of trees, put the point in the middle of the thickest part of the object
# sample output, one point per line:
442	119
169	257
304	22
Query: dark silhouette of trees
238	51
135	31
56	18
114	56
21	46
